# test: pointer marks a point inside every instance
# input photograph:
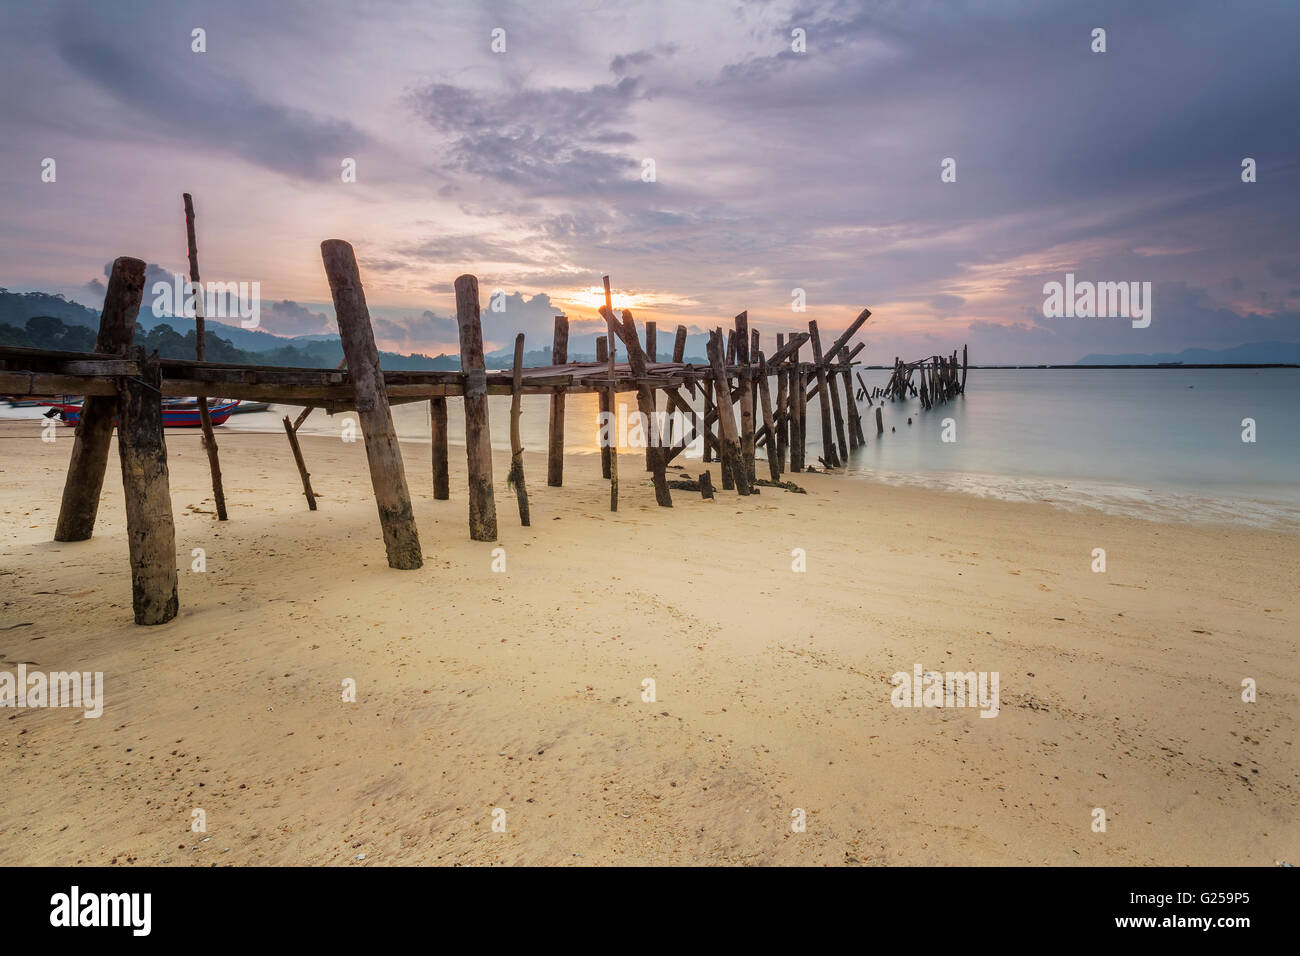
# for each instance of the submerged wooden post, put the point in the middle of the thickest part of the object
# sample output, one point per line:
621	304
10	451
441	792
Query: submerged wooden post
963	370
478	439
387	475
85	478
730	442
302	465
765	401
829	458
438	434
605	401
555	447
150	530
201	350
880	425
516	476
850	403
746	393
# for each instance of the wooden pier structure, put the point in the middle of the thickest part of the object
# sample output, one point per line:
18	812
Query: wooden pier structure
740	412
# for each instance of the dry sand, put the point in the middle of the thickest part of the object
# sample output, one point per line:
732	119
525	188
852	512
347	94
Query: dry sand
522	690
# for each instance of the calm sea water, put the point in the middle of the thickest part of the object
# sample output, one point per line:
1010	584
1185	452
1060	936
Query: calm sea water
1162	443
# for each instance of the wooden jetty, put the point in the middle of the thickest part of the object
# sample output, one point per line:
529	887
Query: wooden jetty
739	414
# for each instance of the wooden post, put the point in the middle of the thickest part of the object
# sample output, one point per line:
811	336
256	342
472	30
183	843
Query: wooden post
302	465
555	447
612	339
656	454
828	441
765	401
745	376
706	485
832	379
679	345
150	530
652	355
963	370
438	433
850	403
707	388
515	478
478	438
604	399
782	409
880	425
200	354
387	475
730	441
85	478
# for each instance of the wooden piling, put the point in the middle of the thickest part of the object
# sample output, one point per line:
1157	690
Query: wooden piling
829	457
730	441
782	411
387	474
200	349
880	425
604	400
745	376
769	422
85	479
612	399
438	434
150	529
655	452
478	438
555	445
302	465
515	478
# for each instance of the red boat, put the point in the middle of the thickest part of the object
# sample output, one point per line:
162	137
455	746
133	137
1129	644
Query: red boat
181	413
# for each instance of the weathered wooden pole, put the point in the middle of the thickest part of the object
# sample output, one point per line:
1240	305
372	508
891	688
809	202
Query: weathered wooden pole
478	438
745	377
732	462
302	465
555	446
707	388
656	454
782	409
798	413
880	425
515	478
605	400
830	460
652	355
201	353
765	401
832	379
850	403
963	369
85	478
387	475
438	434
150	530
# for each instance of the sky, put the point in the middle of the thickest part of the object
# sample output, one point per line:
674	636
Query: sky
774	168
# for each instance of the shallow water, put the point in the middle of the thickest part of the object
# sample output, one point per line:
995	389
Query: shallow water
1162	443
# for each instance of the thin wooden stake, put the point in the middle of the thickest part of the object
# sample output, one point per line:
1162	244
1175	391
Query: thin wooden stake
765	400
604	400
824	396
302	465
516	477
201	349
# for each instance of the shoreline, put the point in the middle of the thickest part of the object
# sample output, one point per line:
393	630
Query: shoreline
522	690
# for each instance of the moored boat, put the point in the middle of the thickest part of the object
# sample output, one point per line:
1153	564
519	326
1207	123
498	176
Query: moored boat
174	415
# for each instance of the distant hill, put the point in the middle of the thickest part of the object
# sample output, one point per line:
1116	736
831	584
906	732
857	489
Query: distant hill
1254	353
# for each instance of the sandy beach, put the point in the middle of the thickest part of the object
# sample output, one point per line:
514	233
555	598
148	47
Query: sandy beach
522	690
